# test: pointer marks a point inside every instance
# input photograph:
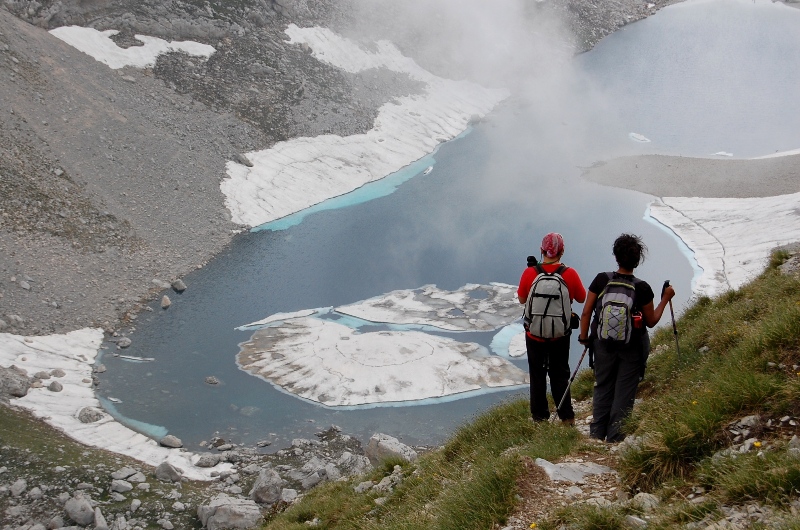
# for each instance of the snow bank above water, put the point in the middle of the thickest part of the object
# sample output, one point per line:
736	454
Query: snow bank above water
732	238
98	44
75	353
299	173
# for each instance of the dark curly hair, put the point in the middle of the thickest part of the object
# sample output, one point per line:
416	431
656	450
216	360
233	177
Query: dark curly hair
629	250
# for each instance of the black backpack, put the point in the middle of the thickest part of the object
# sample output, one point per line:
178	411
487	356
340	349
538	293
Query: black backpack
548	308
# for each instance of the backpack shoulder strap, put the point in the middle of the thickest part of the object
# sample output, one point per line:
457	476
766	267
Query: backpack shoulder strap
560	271
539	269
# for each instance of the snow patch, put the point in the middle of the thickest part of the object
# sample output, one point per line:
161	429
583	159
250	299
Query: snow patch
449	310
332	364
636	137
75	353
388	349
299	173
98	44
731	238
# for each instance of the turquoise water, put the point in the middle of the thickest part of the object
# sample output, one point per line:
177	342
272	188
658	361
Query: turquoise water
491	197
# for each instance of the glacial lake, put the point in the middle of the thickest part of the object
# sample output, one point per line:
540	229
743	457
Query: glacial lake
695	79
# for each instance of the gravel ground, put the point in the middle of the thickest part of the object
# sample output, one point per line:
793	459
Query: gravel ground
675	176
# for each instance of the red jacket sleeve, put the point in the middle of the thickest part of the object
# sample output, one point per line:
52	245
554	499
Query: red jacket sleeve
525	282
576	289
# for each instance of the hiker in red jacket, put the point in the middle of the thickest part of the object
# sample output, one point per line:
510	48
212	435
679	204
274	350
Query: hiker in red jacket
547	289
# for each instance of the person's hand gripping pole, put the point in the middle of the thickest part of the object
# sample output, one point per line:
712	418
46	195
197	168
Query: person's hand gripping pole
672	314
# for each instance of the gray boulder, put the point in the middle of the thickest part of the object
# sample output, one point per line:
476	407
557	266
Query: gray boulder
208	460
224	512
178	286
80	510
267	487
352	465
382	446
171	441
55	386
166	472
13	382
90	415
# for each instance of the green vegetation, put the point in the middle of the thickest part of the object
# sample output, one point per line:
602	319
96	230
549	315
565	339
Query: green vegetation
740	356
468	483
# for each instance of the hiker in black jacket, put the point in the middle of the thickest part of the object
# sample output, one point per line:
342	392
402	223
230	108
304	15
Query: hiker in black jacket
619	306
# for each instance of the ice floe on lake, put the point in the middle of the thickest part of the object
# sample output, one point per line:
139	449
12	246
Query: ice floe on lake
298	173
98	44
731	238
75	353
332	357
636	137
470	308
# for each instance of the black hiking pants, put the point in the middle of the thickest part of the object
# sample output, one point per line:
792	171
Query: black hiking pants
549	358
617	372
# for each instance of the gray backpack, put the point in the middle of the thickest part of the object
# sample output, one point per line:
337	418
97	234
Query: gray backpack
548	308
614	309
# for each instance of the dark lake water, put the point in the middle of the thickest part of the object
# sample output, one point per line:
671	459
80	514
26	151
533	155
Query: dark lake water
690	79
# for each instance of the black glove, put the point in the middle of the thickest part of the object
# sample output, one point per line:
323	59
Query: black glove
585	342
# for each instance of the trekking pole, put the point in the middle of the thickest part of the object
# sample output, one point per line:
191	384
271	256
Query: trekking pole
672	313
571	379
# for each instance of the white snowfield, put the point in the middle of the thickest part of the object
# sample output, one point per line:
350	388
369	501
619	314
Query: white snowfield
325	361
298	173
334	365
74	353
98	44
731	238
458	310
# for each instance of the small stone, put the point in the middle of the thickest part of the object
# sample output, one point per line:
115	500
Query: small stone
80	510
211	380
99	520
18	487
165	302
58	372
166	472
25	285
55	386
121	486
35	493
178	286
91	415
123	473
645	501
124	342
171	441
135	503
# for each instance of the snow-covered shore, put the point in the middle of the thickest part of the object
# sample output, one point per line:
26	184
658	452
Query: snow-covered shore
74	354
731	238
298	173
